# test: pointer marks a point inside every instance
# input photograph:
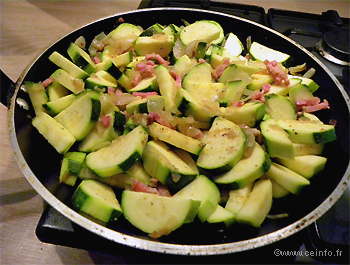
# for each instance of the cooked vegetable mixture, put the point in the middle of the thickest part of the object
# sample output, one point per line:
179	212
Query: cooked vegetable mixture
176	117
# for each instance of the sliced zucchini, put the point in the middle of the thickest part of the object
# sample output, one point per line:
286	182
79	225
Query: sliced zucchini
232	45
200	51
246	170
58	105
277	190
311	84
308	149
224	147
148	84
58	136
161	163
308	132
101	79
204	190
277	142
260	52
287	178
81	115
237	72
249	114
233	92
157	215
167	87
120	156
101	135
306	165
280	107
159	43
75	85
37	95
137	106
183	65
299	92
203	30
137	171
56	91
96	199
80	57
258	204
68	66
259	80
237	198
71	166
175	138
221	215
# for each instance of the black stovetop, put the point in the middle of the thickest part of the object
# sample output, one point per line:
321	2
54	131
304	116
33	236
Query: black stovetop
329	233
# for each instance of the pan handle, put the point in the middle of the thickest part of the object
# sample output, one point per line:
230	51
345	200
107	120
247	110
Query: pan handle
7	88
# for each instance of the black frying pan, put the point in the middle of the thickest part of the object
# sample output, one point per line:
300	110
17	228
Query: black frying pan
40	163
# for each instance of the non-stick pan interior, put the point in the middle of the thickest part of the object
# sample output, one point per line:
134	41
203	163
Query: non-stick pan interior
44	162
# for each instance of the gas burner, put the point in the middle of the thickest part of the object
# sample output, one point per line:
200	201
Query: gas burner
334	46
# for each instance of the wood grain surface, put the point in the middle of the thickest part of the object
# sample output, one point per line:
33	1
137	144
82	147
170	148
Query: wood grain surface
27	28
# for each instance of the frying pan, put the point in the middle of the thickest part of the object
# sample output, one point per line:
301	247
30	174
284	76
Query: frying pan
40	163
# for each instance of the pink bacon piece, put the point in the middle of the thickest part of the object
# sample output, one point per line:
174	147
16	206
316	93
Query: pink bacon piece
47	82
278	73
158	58
221	68
144	94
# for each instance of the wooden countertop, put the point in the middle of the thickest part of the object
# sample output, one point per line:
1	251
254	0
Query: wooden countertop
27	28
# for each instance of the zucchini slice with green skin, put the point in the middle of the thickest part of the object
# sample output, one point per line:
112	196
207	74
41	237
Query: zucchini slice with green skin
96	199
287	178
120	156
73	84
280	107
175	138
71	166
237	72
37	95
308	132
68	66
58	136
167	88
157	215
164	165
56	91
258	204
246	170
221	215
306	165
237	198
277	142
203	30
80	57
58	105
204	190
261	53
224	147
81	115
249	114
100	135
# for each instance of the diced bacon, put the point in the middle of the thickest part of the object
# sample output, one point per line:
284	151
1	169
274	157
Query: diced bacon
142	187
258	95
221	68
278	73
144	94
266	88
156	117
136	80
106	121
201	60
312	105
96	60
126	114
47	82
239	103
160	190
158	58
120	20
177	77
247	56
145	69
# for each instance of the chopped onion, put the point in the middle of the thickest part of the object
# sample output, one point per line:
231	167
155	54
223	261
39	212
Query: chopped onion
309	73
296	69
249	42
80	42
277	216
